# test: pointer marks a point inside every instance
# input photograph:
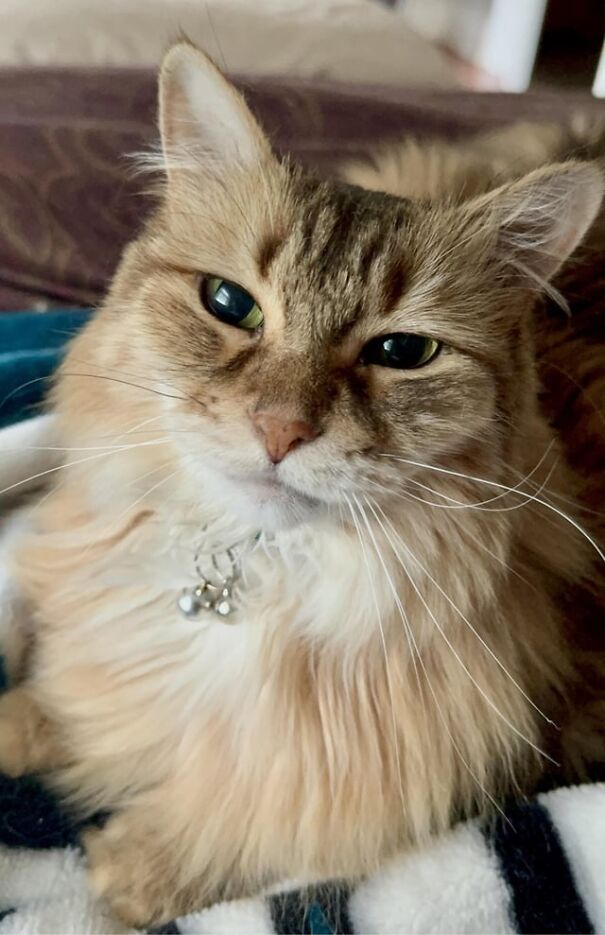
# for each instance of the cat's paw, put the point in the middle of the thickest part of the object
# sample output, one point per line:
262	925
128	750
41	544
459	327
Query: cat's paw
127	869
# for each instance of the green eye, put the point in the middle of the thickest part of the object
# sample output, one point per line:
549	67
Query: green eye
230	303
400	351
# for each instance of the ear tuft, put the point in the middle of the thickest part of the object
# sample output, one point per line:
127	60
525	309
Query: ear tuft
204	120
543	218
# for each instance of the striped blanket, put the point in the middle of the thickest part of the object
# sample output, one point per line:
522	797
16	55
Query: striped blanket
540	867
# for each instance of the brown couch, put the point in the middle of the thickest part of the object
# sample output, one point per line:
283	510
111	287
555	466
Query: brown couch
69	198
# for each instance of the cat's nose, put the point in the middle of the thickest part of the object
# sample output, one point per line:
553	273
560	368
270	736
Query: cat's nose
281	434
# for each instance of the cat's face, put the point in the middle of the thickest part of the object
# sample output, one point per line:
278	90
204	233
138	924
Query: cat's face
344	337
313	332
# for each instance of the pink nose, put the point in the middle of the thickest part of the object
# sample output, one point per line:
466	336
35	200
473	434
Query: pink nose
281	434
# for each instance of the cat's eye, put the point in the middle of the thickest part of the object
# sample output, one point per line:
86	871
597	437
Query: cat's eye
230	303
400	351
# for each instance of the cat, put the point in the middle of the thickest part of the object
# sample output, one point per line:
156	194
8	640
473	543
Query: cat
330	391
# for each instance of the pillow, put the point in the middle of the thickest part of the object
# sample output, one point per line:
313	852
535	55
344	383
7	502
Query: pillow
345	40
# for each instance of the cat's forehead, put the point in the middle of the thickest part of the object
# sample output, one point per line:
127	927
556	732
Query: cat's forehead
344	249
334	223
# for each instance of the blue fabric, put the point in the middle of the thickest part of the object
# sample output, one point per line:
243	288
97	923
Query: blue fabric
31	346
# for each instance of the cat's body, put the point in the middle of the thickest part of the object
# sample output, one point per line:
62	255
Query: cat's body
388	666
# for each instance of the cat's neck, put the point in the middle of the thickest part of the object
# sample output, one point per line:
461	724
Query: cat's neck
410	566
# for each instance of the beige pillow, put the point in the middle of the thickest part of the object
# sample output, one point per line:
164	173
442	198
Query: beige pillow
343	40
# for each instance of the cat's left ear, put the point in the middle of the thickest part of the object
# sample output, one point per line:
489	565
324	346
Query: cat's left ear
204	120
539	221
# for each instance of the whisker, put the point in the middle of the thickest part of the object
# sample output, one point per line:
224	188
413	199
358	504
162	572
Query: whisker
117	436
453	649
384	649
49	377
139	500
136	430
120	371
400	608
460	505
61	467
99	376
410	498
569	500
438	707
463	617
480	503
75	448
489	483
587	395
23	386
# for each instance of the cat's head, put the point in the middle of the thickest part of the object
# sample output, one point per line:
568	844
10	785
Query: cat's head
309	333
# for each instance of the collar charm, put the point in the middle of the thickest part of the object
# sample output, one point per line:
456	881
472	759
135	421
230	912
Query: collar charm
206	596
218	571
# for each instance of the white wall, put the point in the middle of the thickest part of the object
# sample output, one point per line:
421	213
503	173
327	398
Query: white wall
498	36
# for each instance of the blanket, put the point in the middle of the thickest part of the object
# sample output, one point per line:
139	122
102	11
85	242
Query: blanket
31	346
539	866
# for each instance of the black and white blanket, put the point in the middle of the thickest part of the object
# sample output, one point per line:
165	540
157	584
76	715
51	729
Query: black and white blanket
539	867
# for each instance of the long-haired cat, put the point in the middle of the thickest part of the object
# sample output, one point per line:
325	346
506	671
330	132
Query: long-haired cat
330	394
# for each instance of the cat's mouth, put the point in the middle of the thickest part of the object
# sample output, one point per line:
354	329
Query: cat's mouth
269	487
274	503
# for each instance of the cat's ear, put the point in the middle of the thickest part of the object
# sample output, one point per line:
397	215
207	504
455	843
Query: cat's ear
204	120
540	220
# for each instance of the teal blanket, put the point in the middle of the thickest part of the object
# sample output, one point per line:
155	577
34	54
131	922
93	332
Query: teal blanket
31	346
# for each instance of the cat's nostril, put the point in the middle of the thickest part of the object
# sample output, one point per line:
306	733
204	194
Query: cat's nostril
280	434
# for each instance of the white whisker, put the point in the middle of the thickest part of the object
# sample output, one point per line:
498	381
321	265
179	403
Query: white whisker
410	498
147	493
460	505
384	649
438	707
490	483
38	503
453	649
463	617
62	467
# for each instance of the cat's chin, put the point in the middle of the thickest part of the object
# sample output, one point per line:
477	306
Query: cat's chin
267	504
274	517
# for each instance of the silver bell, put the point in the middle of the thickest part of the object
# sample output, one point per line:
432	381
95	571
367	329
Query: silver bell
189	604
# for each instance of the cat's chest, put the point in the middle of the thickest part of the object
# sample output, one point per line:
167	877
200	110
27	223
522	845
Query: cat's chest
115	620
135	611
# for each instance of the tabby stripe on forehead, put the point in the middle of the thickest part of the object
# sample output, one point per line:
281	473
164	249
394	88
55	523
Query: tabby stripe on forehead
342	330
369	253
310	222
270	247
392	286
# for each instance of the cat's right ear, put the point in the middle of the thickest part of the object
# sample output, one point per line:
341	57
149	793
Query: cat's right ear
537	222
204	120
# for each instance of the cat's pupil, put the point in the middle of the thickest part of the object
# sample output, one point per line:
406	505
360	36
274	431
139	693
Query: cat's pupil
230	303
401	351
